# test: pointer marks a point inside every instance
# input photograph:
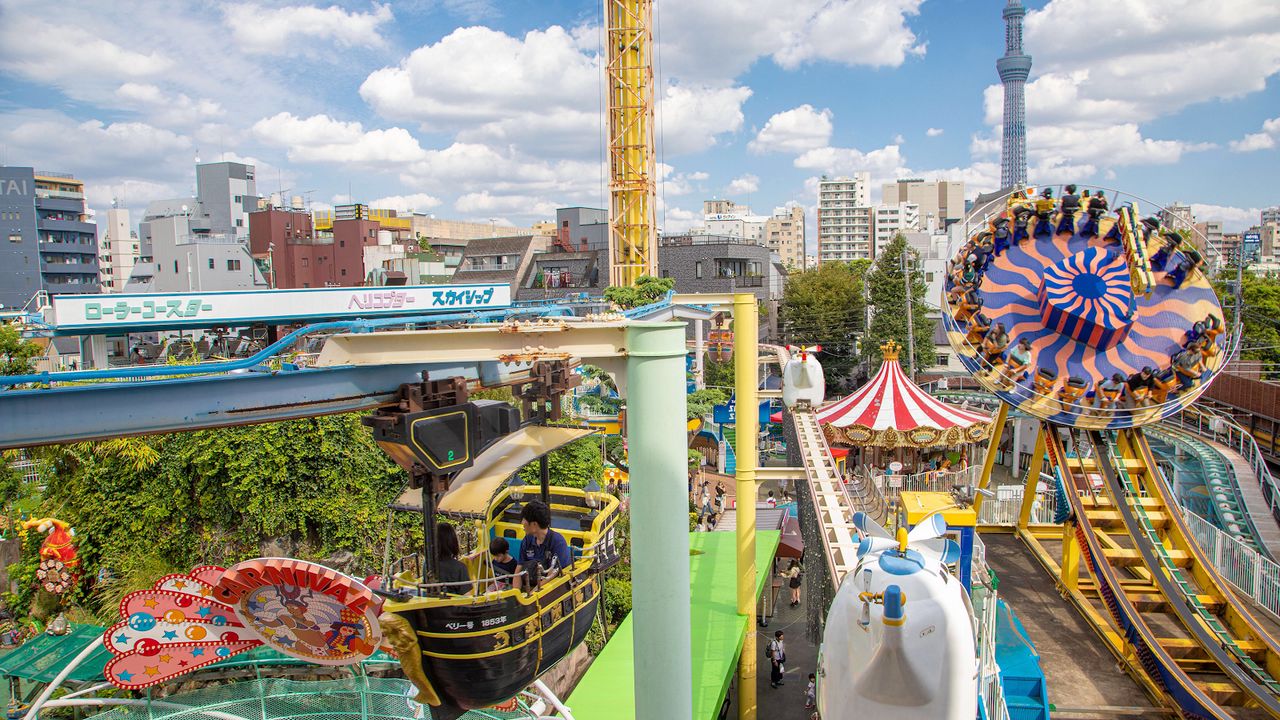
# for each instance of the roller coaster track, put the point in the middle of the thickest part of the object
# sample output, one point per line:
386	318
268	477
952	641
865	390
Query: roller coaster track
833	503
1170	616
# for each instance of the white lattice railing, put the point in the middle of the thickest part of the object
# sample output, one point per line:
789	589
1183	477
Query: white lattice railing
1252	573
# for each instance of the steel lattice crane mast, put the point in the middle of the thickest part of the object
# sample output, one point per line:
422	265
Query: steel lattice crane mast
633	240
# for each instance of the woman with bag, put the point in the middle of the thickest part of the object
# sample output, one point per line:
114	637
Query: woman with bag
793	581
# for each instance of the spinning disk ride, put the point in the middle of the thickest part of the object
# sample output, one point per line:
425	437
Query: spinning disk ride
1093	299
1094	296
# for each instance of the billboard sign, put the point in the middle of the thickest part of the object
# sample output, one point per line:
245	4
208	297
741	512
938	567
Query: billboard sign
76	314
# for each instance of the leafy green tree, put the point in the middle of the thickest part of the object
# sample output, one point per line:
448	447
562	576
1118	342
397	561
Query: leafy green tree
648	289
718	375
16	354
1261	300
309	488
889	304
573	465
700	402
827	306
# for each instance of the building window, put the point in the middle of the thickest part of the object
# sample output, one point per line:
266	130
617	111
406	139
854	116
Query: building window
175	267
15	237
239	198
210	263
233	264
306	262
239	222
342	243
344	272
697	269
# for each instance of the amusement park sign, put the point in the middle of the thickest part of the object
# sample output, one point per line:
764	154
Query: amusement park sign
74	314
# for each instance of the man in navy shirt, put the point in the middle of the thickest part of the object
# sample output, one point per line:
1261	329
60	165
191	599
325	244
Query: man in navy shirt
543	552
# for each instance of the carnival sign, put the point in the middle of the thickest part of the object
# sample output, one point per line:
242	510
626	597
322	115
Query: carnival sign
73	314
304	610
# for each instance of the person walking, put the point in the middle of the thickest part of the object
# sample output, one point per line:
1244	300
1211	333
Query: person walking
793	581
811	693
777	652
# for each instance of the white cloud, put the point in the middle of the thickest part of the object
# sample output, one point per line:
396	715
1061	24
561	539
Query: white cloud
92	147
1233	219
540	92
482	203
692	117
292	29
933	132
407	203
885	162
1264	140
1154	57
794	131
60	53
320	138
168	109
715	42
744	185
476	75
698	176
678	220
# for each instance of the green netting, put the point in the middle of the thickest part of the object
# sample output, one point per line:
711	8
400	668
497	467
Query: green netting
278	699
42	657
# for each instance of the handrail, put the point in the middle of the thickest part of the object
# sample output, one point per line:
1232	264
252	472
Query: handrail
267	353
1238	439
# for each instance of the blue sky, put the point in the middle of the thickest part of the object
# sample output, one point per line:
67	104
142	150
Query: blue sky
481	109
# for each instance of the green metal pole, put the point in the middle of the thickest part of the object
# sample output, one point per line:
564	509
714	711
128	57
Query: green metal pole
746	368
659	521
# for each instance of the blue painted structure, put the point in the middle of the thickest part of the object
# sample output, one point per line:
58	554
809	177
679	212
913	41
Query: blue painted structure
1020	671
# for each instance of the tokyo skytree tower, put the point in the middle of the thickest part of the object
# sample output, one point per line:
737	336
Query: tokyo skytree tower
1014	68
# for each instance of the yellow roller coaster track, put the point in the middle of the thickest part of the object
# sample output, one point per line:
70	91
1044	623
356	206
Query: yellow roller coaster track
1129	564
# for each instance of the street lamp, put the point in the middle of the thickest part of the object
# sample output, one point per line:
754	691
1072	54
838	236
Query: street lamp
271	254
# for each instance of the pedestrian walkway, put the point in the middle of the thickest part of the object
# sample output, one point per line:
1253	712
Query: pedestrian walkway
785	702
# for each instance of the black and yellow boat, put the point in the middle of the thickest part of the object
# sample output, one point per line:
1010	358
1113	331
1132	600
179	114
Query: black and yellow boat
481	649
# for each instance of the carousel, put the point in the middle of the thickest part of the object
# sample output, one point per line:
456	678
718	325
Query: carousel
893	425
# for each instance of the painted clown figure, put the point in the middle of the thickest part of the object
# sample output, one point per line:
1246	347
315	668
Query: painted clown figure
58	560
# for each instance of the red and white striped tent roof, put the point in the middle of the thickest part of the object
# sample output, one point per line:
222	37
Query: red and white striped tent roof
891	401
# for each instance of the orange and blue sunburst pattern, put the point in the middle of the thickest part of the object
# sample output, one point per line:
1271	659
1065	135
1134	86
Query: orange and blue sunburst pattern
1070	296
1088	297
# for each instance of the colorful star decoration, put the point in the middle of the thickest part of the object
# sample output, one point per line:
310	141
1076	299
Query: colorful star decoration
203	612
197	652
150	602
170	635
122	638
152	669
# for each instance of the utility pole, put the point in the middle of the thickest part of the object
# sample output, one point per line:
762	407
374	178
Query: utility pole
911	333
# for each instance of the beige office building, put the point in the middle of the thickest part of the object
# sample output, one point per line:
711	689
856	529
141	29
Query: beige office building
941	202
784	235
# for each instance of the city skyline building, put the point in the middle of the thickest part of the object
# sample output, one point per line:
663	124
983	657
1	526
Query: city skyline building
845	218
51	244
941	202
784	234
1014	69
891	219
119	250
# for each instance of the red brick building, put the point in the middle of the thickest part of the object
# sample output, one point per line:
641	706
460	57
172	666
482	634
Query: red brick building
305	258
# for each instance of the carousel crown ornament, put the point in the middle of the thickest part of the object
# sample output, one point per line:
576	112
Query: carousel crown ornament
58	556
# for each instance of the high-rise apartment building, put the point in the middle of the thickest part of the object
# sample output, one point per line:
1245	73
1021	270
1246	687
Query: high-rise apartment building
844	218
120	249
889	220
50	243
1270	215
941	202
784	235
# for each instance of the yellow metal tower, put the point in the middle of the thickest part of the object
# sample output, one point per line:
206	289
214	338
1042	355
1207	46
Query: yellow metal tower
629	78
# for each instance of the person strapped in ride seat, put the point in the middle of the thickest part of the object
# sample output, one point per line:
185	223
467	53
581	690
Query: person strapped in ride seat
543	552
